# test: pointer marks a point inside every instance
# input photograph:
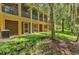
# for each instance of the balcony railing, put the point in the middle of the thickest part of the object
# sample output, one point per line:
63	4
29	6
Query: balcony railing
45	19
25	14
41	18
10	10
35	17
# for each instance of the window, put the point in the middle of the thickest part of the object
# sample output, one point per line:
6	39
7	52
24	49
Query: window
35	27
45	28
35	14
25	28
41	17
9	9
25	12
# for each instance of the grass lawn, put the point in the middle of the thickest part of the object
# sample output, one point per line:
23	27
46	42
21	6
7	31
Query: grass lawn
65	35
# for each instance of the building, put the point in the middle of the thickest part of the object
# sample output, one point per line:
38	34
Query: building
16	18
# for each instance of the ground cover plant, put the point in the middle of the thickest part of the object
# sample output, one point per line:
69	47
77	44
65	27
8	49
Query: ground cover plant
33	44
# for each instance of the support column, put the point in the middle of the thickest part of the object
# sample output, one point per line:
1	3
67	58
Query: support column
2	23
28	28
43	23
19	9
38	21
0	7
19	27
31	21
19	22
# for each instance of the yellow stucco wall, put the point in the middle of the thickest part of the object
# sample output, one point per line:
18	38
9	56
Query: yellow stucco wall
6	16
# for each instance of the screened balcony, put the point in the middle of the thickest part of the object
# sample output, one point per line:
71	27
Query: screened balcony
35	14
45	18
25	14
35	17
10	8
25	11
41	17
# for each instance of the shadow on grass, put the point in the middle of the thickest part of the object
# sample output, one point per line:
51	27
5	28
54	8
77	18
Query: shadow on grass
65	32
65	35
34	36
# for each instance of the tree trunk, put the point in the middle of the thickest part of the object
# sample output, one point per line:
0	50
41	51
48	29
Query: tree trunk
62	25
52	21
72	17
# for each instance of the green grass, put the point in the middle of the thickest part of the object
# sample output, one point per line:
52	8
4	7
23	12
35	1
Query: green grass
65	35
59	35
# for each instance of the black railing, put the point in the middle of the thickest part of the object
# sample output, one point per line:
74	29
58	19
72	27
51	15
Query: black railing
45	19
34	17
41	18
25	14
10	10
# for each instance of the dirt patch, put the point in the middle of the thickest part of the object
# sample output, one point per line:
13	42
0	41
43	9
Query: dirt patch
64	47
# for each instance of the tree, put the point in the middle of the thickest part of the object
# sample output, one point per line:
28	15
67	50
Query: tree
52	20
73	16
63	12
61	15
